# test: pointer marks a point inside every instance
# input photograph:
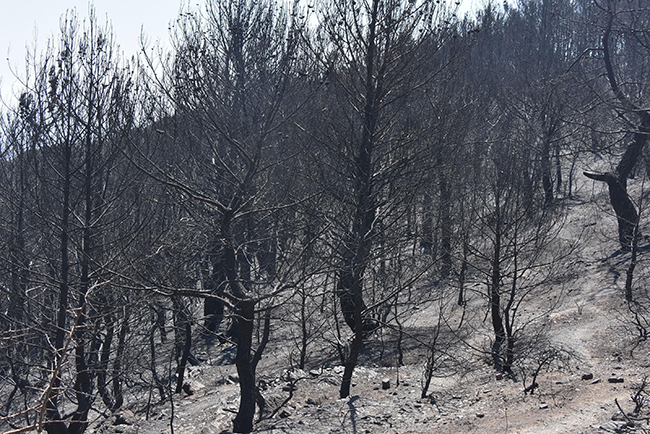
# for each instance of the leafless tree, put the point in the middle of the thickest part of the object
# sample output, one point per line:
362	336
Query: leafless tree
231	81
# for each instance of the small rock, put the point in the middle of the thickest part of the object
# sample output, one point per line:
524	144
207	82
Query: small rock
187	388
588	376
596	381
233	378
202	357
499	376
385	384
619	417
314	372
480	415
311	401
615	427
296	374
543	406
615	380
121	419
284	414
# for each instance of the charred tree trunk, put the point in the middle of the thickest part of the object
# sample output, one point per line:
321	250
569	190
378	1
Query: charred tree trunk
266	335
215	281
445	226
187	346
117	363
426	242
625	210
349	292
245	311
463	273
547	178
626	213
83	385
494	292
104	358
355	349
497	319
558	170
304	332
509	312
54	425
357	250
153	361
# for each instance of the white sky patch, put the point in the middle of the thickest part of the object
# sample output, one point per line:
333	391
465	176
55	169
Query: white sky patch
31	23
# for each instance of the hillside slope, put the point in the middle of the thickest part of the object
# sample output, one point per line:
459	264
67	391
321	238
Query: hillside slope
591	320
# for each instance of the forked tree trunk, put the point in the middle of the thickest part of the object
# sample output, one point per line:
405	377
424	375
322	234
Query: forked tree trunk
625	210
355	349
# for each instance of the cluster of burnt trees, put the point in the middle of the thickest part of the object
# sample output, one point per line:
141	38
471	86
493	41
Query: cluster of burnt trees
322	167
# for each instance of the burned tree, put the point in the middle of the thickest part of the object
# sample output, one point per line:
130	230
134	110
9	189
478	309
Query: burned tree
621	28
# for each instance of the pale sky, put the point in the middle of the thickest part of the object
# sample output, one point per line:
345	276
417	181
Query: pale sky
24	21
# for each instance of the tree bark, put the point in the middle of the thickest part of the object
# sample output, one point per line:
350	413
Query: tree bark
243	423
625	210
494	291
54	425
213	309
445	226
102	371
358	245
626	213
547	179
355	349
187	346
